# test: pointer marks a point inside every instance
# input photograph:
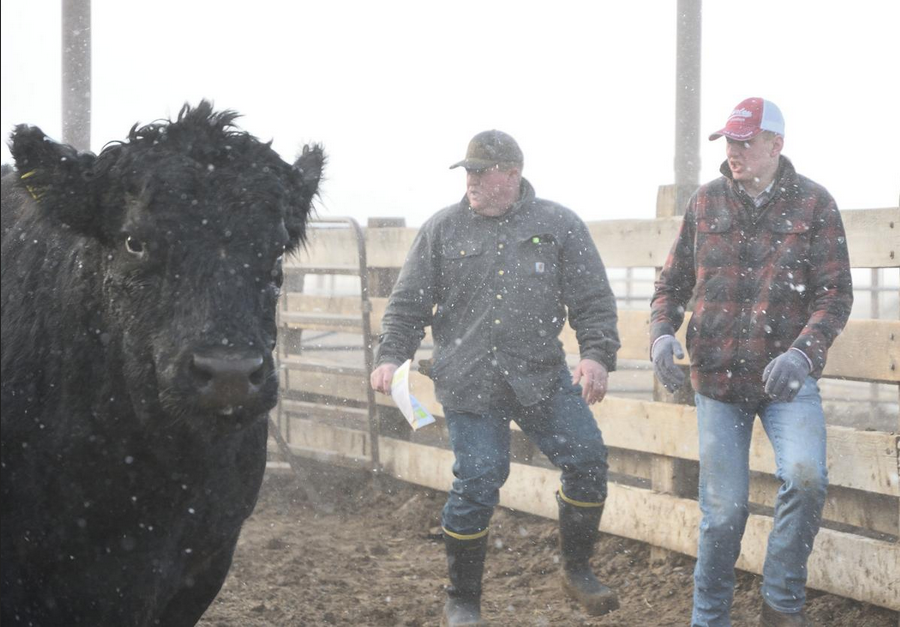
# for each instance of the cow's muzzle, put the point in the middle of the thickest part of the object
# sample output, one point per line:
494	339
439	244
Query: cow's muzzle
224	383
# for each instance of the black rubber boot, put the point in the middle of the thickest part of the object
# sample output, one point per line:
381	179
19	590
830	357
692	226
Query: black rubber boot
465	562
579	528
770	617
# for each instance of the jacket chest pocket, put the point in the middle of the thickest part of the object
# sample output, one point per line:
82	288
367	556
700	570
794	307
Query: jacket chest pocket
460	260
716	245
539	257
789	247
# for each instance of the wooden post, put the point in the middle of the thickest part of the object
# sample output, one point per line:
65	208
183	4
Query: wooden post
381	280
667	207
895	255
670	475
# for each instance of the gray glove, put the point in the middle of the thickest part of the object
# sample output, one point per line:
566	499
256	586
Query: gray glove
670	375
784	376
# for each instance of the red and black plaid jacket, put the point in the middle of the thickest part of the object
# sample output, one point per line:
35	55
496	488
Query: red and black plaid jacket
764	280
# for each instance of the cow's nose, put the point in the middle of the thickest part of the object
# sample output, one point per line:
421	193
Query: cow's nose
223	382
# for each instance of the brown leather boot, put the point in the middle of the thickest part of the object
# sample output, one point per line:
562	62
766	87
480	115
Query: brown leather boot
770	617
579	529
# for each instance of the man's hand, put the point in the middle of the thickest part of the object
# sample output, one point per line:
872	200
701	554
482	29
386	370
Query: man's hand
664	351
784	376
381	378
596	379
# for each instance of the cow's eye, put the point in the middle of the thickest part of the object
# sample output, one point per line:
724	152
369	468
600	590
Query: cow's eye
135	246
278	271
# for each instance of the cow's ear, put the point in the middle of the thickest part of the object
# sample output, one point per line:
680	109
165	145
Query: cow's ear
58	177
308	172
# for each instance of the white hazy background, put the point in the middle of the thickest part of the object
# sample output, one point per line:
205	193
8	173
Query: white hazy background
394	90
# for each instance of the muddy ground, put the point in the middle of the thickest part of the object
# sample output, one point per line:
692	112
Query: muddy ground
370	555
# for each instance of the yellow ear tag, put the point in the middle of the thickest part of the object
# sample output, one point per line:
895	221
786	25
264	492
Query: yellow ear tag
35	193
535	240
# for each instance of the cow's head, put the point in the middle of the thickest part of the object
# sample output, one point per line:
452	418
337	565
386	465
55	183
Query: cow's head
192	219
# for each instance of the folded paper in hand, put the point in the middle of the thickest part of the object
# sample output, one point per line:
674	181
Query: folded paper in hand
415	414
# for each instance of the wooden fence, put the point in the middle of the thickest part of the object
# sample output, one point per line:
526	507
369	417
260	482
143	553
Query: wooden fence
653	444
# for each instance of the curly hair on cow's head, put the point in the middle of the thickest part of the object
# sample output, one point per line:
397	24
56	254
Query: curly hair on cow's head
203	133
201	121
200	147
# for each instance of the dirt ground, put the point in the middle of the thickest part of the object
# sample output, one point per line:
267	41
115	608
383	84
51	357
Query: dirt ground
370	554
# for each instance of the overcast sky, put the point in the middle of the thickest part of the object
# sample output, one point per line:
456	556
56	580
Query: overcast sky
394	90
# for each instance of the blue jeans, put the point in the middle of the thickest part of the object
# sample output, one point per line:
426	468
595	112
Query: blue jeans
797	433
561	426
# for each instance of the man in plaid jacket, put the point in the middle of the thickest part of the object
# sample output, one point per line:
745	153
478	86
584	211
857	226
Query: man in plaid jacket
763	251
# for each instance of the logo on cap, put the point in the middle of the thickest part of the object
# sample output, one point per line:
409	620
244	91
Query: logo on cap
740	113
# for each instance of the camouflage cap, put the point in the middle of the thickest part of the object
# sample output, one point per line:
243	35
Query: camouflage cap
490	148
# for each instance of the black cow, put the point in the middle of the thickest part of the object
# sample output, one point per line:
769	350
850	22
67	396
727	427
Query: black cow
139	299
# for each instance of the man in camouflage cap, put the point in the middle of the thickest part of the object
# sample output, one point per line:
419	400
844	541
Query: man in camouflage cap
496	275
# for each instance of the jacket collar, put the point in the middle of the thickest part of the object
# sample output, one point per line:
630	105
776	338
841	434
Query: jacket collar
786	183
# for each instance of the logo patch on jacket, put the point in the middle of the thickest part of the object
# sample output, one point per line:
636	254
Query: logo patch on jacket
539	267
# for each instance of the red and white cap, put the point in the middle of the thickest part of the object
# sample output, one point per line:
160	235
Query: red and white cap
750	118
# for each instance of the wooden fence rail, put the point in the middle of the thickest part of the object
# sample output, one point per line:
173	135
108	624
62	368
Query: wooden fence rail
856	555
873	236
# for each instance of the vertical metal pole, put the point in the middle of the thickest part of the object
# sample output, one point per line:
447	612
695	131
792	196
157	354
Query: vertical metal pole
687	102
284	379
368	345
76	73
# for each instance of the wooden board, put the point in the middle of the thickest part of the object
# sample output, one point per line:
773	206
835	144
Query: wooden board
866	510
874	512
873	237
336	249
844	564
864	460
846	506
634	243
867	350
